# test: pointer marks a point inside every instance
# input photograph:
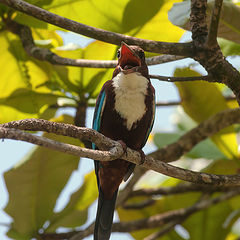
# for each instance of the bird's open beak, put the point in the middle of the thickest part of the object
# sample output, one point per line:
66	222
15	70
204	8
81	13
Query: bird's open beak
128	61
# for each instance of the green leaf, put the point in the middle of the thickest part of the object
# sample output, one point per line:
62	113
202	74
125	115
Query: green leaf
229	24
76	212
41	35
24	91
229	48
205	149
87	80
104	14
24	103
124	16
159	28
35	184
200	101
13	59
209	222
3	9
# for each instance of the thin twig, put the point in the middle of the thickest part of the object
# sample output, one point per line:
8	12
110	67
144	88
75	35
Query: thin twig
124	194
140	205
179	189
181	49
168	104
168	227
213	29
176	103
43	54
182	79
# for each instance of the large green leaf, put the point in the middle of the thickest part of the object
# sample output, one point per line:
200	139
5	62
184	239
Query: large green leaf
124	16
200	101
28	86
24	103
229	24
229	48
15	73
210	223
76	212
35	184
87	80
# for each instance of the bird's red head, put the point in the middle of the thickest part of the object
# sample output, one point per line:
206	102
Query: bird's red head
130	58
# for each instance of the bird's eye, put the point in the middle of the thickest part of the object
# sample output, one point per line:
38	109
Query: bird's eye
141	54
118	54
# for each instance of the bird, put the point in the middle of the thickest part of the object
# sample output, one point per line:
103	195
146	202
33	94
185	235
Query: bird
124	112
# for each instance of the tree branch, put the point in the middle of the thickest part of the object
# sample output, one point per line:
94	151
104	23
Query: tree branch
43	54
176	103
213	29
159	219
204	130
163	218
182	79
181	49
168	227
15	134
169	153
140	205
211	57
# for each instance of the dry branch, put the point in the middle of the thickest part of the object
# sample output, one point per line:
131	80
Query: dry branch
154	161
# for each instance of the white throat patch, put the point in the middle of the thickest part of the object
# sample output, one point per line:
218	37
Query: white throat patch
130	90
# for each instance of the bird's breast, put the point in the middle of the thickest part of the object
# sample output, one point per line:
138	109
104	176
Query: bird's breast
130	92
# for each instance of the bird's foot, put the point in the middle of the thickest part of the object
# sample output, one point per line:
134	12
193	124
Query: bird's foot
143	156
124	146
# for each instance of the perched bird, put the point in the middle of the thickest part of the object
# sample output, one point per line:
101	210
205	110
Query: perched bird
124	112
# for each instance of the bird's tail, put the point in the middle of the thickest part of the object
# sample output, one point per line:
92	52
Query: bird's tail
104	219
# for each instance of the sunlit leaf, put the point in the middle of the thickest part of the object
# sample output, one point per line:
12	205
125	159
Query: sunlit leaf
27	104
124	16
35	184
23	89
40	35
229	48
159	27
15	73
76	212
229	24
201	100
87	80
